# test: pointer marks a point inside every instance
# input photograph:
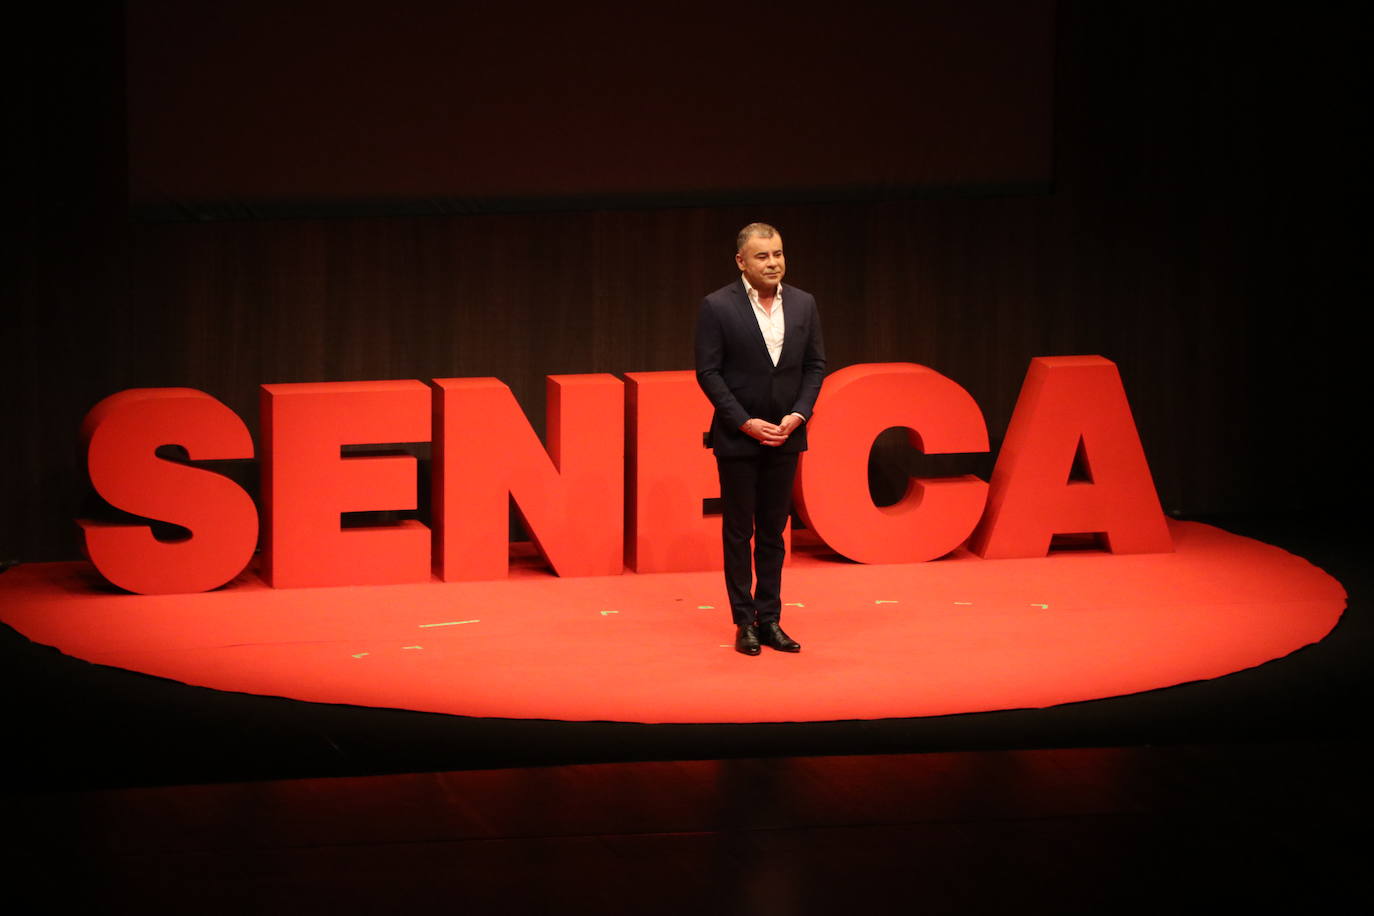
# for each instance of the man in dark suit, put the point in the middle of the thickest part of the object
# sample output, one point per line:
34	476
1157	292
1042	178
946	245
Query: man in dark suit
760	360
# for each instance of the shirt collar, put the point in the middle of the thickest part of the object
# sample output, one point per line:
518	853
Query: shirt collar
753	294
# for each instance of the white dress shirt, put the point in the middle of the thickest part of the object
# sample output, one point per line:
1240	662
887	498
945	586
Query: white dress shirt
770	322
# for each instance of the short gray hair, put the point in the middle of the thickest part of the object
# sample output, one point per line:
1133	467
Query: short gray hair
753	229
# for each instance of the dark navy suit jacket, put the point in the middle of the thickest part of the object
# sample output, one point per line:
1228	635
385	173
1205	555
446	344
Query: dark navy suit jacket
735	371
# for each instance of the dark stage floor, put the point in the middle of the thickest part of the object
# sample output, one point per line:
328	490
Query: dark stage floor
1260	827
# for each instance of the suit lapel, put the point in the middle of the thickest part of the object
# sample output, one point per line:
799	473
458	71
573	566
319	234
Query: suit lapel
791	321
751	320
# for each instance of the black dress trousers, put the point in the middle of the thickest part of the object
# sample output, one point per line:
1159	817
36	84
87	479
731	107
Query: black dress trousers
756	499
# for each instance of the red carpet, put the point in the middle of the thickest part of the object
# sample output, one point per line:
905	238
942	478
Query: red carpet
957	635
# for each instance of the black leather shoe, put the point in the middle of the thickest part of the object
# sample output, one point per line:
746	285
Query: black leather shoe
772	636
747	639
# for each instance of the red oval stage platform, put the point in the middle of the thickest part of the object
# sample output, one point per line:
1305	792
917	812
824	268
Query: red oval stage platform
960	634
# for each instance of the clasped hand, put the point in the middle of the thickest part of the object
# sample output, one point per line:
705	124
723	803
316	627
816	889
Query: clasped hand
772	433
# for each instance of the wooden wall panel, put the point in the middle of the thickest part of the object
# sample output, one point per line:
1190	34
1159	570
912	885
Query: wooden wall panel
1185	239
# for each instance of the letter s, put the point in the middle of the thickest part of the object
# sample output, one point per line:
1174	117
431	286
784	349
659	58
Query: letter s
122	434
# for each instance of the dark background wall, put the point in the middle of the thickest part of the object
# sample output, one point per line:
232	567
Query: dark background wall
1199	223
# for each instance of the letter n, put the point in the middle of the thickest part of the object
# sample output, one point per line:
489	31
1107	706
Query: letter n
1071	421
571	498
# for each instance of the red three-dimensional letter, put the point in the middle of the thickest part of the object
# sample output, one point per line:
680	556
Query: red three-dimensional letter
671	472
571	498
122	434
855	405
307	482
1071	405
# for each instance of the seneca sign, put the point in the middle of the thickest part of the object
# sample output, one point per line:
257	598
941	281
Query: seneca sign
620	484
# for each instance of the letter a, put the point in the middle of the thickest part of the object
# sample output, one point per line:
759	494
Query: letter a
1071	406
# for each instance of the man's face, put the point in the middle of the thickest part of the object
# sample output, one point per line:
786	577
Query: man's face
761	261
